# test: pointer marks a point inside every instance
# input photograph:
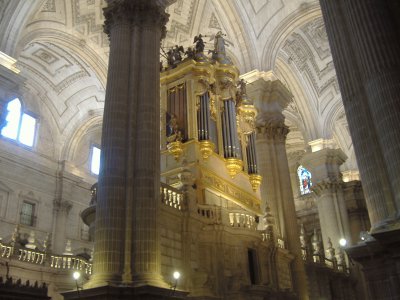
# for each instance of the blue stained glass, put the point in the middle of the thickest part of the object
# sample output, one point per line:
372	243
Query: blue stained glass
305	180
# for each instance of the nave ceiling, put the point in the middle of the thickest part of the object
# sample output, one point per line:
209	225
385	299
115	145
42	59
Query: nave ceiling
62	52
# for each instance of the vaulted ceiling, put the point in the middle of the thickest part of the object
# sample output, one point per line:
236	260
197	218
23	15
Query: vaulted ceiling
63	54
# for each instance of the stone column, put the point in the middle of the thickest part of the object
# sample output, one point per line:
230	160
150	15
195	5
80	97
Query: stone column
271	97
328	189
365	47
126	237
364	40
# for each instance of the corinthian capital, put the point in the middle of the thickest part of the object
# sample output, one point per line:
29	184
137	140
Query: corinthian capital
137	12
331	186
275	131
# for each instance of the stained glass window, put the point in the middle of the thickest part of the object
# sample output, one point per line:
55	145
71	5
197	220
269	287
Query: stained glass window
305	180
20	126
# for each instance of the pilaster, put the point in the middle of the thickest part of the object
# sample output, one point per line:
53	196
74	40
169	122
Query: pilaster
61	209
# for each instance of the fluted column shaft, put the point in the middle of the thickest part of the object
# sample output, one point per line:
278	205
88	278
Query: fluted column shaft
365	49
276	187
126	238
327	186
270	99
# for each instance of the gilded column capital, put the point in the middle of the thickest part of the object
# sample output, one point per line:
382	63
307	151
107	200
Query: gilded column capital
139	13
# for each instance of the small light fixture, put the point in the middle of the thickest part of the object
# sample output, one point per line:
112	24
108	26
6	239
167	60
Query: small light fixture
176	275
76	275
342	242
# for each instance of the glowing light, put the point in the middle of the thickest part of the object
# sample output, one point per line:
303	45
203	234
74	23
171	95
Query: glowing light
342	242
177	275
76	275
95	165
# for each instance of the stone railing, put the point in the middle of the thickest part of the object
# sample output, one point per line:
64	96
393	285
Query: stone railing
64	262
31	256
237	219
6	250
67	262
211	213
171	197
320	259
242	220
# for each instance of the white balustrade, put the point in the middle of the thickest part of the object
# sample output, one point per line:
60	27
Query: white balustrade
171	197
242	220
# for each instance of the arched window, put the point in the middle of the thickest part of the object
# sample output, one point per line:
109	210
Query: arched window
305	180
95	160
20	126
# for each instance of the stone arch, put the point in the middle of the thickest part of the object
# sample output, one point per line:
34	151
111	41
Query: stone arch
307	119
77	146
296	19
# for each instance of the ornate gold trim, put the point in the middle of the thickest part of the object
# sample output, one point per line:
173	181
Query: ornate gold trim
206	148
230	191
234	166
255	181
176	149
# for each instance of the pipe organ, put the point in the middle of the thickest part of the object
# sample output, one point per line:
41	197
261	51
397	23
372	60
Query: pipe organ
209	119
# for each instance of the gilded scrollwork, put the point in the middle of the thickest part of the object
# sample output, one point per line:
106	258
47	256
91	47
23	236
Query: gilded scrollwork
227	88
203	85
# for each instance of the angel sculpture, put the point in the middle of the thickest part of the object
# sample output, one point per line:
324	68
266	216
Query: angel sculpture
198	40
190	53
219	52
177	53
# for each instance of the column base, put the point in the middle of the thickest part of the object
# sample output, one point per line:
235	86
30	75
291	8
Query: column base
124	293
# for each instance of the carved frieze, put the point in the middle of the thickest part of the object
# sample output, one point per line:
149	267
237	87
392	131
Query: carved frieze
212	181
331	186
